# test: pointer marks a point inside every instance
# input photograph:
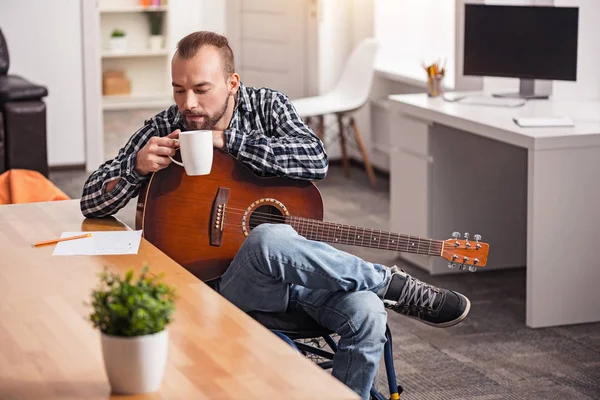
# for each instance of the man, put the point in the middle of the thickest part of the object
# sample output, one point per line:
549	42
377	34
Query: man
275	269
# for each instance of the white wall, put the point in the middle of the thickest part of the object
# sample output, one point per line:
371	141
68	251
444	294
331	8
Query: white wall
187	16
44	39
335	41
588	49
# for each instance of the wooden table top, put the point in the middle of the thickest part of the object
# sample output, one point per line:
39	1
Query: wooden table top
50	350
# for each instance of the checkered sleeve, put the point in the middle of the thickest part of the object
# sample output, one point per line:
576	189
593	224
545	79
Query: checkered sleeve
288	147
95	200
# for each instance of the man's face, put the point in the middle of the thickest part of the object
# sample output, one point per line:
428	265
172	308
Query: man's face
200	88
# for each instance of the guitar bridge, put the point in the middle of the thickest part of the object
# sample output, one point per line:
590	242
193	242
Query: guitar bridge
217	217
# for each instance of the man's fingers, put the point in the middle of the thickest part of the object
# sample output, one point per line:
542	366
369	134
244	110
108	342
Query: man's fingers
159	162
174	134
167	142
164	151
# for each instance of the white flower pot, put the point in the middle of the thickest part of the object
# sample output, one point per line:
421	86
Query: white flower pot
118	44
135	364
155	42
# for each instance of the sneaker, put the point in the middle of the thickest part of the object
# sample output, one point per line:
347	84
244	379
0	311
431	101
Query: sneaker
434	306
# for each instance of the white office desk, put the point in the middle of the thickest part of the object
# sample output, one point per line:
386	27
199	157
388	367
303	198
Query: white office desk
532	193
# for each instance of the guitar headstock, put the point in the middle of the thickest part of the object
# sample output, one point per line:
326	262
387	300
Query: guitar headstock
464	254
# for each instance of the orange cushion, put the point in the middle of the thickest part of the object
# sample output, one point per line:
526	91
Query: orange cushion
25	186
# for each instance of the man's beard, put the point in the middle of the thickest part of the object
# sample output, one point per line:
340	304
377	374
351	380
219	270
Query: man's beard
209	121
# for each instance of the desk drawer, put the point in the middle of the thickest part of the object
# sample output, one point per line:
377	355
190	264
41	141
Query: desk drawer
409	134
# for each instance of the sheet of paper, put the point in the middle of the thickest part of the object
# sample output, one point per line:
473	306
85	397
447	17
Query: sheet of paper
101	243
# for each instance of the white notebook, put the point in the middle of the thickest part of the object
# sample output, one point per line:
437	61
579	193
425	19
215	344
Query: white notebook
534	122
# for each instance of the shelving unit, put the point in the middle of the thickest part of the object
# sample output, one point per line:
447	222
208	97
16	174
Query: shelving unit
146	68
132	8
135	53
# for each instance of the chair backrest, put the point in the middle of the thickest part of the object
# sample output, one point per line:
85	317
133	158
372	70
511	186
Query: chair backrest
4	60
357	76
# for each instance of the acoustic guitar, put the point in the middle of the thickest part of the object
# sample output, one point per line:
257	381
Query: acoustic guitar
201	221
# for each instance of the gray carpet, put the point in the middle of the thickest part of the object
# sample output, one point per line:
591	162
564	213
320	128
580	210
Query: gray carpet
490	355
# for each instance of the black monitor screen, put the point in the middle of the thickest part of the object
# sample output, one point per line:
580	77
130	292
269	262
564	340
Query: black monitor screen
527	42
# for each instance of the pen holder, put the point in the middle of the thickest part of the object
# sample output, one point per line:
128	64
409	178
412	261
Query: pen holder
434	85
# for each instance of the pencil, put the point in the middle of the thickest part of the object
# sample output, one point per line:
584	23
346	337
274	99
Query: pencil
53	241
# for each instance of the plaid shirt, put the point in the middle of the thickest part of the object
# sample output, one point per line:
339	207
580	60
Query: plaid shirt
265	133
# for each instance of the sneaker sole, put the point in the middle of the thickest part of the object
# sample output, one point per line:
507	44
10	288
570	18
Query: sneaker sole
454	321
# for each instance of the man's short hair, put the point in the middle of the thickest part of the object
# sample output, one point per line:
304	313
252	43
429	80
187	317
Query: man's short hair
189	46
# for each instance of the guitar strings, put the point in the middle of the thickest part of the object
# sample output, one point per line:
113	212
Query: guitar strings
398	242
268	217
311	226
307	223
308	226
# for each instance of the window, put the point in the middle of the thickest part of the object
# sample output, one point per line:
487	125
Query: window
411	32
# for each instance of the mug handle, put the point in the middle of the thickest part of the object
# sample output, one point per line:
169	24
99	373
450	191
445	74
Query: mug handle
175	161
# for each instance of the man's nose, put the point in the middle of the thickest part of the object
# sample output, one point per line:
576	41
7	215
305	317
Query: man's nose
190	101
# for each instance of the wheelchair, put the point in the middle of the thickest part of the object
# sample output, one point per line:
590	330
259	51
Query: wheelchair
305	335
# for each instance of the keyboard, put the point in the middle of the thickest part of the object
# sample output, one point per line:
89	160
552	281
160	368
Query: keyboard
491	101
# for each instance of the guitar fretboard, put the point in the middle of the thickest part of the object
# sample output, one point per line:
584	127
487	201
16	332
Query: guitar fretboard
356	236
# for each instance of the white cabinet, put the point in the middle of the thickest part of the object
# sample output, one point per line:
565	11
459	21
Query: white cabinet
444	180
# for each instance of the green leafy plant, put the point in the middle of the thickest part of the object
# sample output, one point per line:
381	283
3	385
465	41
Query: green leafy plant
155	22
117	33
129	307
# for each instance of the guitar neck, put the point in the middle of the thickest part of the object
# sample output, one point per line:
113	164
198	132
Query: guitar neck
364	237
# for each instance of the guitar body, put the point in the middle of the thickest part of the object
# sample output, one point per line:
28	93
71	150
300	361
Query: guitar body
180	214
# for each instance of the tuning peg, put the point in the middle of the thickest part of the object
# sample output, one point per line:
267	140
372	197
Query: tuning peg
477	238
456	235
472	268
467	235
451	265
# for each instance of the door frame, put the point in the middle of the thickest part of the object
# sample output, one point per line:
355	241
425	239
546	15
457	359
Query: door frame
312	16
92	86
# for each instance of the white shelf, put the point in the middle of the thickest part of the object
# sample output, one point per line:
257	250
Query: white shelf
137	100
135	53
132	9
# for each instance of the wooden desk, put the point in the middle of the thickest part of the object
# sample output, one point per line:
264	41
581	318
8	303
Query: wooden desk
49	350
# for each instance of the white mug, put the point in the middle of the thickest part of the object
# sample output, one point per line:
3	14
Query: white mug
196	149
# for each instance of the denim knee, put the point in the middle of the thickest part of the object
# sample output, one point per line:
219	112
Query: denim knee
266	236
368	316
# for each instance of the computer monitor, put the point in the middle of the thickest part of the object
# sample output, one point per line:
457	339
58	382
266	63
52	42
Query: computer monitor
525	42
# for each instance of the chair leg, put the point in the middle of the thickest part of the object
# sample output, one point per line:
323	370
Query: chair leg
395	389
363	152
343	145
320	126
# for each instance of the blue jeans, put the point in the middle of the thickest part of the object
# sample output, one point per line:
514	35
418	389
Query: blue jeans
278	270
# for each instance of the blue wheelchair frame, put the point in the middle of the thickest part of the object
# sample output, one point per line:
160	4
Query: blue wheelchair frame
395	389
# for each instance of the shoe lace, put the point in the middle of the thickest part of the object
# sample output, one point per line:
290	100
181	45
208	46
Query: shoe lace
417	294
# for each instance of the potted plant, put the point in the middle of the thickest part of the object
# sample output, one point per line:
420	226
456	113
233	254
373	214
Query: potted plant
155	41
118	41
132	316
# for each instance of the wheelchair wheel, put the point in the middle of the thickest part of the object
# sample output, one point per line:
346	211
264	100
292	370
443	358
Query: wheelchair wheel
319	343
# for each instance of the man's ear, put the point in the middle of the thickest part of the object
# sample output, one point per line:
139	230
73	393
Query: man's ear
233	83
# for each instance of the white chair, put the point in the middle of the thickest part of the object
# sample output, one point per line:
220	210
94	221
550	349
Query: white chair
349	94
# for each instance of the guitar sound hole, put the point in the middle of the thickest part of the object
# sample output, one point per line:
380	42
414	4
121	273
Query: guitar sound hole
265	214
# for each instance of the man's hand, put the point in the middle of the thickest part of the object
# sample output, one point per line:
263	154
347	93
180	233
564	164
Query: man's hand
218	139
154	156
